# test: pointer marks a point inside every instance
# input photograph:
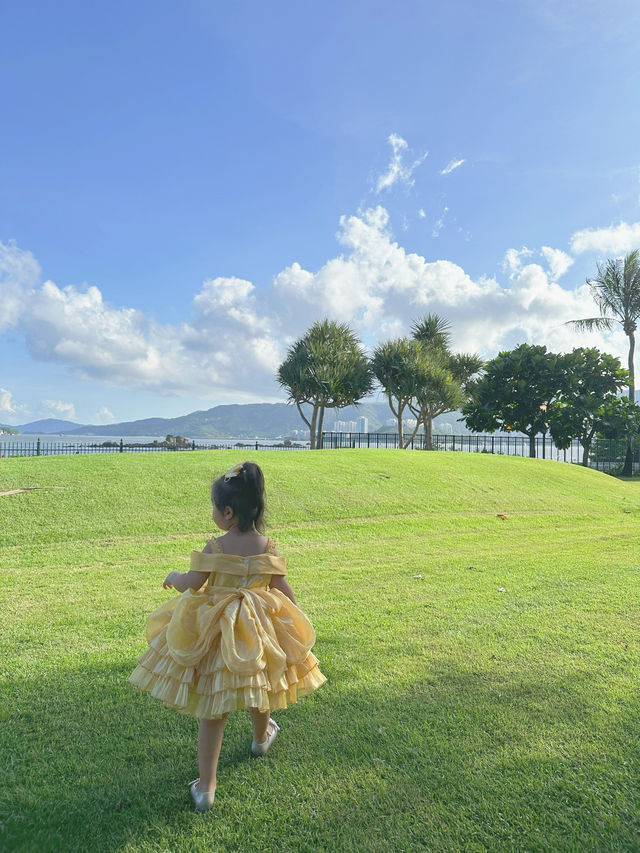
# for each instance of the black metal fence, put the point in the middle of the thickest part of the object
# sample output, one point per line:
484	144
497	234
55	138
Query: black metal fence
605	454
56	448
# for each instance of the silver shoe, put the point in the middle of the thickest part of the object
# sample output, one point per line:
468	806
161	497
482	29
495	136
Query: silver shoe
202	799
262	748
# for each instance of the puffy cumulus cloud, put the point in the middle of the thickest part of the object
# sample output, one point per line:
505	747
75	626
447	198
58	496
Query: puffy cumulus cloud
381	289
376	285
398	172
8	405
19	272
558	261
226	344
58	409
11	411
237	334
614	240
116	345
513	258
103	416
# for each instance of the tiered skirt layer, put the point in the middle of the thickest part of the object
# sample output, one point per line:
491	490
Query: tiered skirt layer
225	649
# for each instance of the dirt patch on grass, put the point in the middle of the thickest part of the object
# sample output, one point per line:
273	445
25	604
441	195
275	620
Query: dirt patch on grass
28	489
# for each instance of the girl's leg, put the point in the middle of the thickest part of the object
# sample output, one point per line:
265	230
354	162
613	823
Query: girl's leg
209	743
259	724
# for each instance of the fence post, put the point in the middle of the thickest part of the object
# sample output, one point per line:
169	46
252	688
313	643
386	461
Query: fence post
121	446
38	448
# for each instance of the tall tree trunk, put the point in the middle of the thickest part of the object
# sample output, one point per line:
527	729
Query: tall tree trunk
320	422
632	373
532	445
627	470
302	414
400	430
428	432
312	428
586	446
406	443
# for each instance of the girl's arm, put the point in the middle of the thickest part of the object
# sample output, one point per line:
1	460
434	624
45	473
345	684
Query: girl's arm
281	583
185	580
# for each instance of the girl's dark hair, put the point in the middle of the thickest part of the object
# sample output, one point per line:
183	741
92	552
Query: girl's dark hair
244	493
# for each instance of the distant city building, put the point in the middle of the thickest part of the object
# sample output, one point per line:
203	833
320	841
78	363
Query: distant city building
407	423
345	426
362	424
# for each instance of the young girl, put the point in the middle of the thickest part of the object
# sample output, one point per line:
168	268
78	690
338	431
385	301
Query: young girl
235	638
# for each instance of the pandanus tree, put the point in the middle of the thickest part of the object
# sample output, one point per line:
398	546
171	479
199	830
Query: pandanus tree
616	291
400	366
325	368
443	389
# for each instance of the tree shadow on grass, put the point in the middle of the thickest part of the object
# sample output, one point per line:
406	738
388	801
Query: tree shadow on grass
456	761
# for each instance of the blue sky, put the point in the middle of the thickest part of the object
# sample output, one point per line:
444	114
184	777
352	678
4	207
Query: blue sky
185	187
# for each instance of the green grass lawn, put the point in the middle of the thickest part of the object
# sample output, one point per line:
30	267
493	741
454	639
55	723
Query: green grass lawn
483	673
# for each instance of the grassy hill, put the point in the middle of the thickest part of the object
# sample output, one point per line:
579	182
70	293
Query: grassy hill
482	671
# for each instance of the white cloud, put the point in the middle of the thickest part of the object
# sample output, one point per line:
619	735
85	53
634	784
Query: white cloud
58	409
7	403
398	172
513	258
10	409
451	165
381	289
614	240
237	333
422	214
558	261
227	343
103	416
437	228
19	271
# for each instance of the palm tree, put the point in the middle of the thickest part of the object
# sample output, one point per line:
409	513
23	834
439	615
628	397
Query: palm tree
616	292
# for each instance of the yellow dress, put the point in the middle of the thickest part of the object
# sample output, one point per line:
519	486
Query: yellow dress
232	644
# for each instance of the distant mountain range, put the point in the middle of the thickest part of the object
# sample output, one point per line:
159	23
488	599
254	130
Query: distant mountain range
46	426
263	420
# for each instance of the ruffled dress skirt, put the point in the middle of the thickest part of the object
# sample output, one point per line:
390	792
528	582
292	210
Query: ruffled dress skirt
228	647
